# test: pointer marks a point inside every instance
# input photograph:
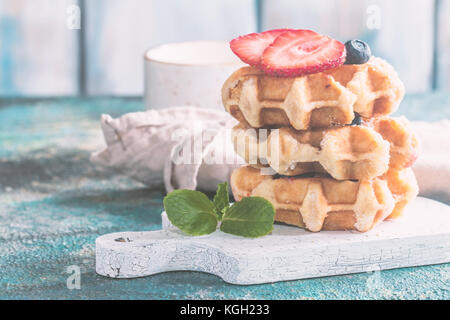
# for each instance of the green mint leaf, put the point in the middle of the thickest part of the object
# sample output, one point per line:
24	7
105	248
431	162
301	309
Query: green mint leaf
191	211
251	217
221	199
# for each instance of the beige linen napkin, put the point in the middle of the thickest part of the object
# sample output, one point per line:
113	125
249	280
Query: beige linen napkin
146	146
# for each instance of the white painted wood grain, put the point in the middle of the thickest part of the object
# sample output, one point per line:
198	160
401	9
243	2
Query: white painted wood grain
422	237
118	33
404	37
38	53
443	45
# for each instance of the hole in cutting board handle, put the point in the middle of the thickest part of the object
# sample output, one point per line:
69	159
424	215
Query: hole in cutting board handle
123	239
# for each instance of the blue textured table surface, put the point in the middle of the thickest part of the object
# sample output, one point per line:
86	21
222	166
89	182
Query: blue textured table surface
54	203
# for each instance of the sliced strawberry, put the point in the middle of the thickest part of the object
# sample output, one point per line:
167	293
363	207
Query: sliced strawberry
249	48
299	52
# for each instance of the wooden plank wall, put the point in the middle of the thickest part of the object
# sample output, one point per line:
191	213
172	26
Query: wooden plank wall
443	45
40	55
119	32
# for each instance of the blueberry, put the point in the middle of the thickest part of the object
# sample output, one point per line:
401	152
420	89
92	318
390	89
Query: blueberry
356	120
358	52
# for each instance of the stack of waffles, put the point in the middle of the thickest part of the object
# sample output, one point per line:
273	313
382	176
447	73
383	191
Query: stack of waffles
321	147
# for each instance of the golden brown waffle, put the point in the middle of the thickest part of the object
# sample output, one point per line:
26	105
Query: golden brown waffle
351	152
404	188
323	203
316	100
404	146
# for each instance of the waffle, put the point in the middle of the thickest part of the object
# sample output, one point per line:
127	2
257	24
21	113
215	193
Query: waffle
351	152
312	101
323	203
404	146
404	188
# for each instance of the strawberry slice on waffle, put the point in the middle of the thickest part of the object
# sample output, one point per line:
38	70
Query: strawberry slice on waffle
249	48
299	52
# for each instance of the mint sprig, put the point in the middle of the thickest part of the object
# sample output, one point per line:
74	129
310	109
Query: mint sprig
193	213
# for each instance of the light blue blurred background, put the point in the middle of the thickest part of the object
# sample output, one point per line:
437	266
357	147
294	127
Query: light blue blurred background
42	53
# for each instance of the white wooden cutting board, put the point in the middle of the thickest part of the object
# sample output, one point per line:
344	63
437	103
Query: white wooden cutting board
421	237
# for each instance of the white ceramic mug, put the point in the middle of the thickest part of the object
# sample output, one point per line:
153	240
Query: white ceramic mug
188	73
